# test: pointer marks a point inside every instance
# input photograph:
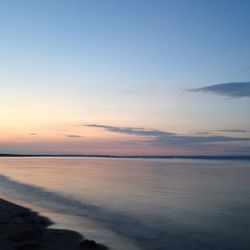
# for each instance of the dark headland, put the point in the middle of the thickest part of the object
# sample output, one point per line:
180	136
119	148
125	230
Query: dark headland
23	229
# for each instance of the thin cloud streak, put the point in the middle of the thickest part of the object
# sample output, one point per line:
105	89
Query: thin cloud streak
233	130
231	89
131	131
161	138
189	140
73	136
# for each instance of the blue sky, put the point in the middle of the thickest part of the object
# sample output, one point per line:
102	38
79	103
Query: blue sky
124	64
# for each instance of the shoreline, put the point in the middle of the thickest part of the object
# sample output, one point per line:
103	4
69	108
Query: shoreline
187	157
24	229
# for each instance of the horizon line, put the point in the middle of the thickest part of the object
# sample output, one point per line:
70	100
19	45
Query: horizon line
218	157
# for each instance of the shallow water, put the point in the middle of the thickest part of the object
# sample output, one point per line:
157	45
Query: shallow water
136	204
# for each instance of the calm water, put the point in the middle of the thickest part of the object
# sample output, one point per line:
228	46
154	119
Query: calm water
132	204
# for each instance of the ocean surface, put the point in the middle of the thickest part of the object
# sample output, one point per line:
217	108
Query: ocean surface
138	204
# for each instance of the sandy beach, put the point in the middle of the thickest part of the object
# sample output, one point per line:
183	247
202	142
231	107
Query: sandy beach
23	229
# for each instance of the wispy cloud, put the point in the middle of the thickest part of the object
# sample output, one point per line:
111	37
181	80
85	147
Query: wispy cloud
131	131
73	136
189	140
163	138
233	130
231	89
202	133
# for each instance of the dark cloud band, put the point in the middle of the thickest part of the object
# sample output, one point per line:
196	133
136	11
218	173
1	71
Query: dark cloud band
234	131
232	89
162	138
131	131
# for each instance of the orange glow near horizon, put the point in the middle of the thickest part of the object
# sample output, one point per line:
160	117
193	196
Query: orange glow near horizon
79	139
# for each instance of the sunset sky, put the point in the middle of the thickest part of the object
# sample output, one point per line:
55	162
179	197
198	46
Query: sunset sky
125	77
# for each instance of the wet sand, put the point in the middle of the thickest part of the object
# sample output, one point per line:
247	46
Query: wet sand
23	229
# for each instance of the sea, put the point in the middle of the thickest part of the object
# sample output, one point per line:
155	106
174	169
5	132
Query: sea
137	204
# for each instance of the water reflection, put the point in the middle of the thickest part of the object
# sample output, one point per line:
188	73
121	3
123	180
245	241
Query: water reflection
153	204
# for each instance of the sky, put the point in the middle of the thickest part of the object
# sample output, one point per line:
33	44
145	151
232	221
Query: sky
125	77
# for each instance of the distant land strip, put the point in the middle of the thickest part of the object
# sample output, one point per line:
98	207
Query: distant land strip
201	157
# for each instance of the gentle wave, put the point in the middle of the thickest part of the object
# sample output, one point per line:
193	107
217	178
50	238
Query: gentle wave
144	236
